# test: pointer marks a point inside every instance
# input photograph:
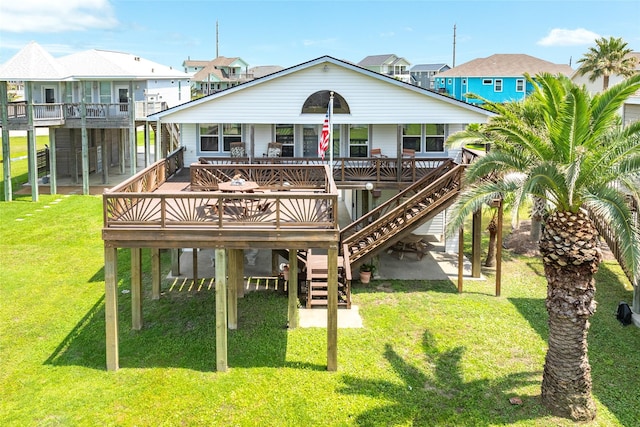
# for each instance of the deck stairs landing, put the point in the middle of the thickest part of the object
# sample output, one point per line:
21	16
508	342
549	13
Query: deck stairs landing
383	227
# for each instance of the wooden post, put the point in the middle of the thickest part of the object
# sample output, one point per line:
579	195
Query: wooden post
175	262
123	151
84	141
105	156
155	273
6	147
194	257
133	140
332	308
147	146
499	248
31	143
476	244
136	289
221	310
53	166
460	259
235	275
111	306
292	288
158	135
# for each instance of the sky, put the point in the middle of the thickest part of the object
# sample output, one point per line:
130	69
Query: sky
288	33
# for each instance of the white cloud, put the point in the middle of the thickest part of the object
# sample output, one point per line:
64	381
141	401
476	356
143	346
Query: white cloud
47	16
563	37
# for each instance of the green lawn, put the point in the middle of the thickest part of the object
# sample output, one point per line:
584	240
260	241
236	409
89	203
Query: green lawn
427	356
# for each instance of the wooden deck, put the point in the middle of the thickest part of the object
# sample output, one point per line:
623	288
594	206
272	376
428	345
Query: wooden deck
151	210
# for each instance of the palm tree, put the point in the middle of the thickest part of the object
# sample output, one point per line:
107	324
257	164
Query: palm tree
609	58
574	158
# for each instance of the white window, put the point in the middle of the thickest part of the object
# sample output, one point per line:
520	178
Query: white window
358	141
284	135
423	138
497	86
487	81
212	133
520	85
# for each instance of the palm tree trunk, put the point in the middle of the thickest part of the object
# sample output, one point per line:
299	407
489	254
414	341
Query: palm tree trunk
537	215
490	261
570	251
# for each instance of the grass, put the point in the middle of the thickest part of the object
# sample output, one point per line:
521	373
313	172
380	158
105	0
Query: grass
20	165
427	355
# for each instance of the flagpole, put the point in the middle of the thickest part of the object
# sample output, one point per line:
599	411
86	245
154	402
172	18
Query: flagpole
331	134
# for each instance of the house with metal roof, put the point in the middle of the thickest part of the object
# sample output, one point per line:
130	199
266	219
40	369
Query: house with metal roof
497	78
91	102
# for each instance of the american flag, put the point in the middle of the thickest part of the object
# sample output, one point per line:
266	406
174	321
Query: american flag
324	137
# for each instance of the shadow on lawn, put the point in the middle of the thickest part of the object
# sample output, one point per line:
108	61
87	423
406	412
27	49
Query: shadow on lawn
179	331
442	397
613	349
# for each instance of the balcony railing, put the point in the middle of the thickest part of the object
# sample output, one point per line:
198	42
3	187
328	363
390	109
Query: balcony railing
356	170
17	111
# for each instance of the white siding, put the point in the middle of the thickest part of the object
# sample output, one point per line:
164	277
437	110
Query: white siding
189	135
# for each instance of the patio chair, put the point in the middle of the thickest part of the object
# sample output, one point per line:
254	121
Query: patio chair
274	149
408	152
377	153
238	149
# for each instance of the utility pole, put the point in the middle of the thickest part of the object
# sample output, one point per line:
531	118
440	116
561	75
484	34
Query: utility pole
453	65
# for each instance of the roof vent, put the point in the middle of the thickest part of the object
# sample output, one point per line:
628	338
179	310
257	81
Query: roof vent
137	58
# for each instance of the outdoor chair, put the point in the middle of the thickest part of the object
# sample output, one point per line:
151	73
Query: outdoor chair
238	149
408	152
274	149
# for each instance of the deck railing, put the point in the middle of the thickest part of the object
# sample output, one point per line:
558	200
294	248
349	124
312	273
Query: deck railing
345	169
206	177
289	197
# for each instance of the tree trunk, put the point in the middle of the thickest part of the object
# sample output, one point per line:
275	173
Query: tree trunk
493	237
570	252
537	215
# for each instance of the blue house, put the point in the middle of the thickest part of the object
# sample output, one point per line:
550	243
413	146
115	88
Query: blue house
498	78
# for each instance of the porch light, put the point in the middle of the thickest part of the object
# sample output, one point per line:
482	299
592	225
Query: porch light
368	186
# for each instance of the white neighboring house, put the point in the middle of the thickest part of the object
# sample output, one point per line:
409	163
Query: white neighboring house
91	102
631	110
371	112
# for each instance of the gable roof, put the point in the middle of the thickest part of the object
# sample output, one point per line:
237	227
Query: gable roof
326	60
428	67
377	60
33	63
506	65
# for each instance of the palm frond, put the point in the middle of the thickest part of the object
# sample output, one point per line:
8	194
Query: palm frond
609	204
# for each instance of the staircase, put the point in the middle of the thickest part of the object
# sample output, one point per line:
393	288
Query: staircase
170	137
383	227
317	284
400	216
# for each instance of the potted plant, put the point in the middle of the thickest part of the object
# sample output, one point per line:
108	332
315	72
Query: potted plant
366	272
284	268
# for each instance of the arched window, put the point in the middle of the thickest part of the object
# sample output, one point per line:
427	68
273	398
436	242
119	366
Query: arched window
318	103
